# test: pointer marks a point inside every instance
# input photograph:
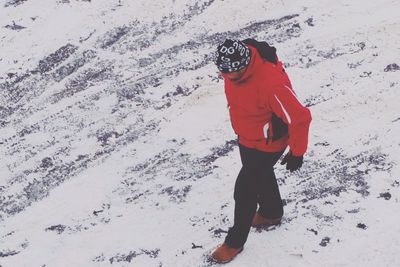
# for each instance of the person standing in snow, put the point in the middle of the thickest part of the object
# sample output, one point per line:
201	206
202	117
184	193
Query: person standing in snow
267	117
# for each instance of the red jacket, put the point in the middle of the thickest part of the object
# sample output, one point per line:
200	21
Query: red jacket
265	89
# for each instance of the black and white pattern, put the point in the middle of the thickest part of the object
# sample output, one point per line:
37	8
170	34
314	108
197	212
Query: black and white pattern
232	55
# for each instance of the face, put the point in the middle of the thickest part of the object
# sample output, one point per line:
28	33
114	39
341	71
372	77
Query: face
235	75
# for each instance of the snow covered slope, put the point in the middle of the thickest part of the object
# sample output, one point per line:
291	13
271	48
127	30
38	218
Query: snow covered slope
116	147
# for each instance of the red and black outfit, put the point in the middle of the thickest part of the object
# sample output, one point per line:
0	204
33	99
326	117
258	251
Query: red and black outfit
267	117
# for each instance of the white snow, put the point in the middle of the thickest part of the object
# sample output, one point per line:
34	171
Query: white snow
117	150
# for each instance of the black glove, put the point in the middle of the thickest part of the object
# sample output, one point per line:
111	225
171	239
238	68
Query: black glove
293	163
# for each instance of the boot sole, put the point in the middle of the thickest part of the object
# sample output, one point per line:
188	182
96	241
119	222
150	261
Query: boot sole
223	262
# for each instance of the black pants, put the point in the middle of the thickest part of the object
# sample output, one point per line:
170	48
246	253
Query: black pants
255	184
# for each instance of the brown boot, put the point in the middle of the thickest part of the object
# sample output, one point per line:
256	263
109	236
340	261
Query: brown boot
259	220
225	253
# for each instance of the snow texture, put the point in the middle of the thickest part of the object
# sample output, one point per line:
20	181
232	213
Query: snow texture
116	146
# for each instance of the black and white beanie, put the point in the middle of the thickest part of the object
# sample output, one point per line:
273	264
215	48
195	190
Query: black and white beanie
232	55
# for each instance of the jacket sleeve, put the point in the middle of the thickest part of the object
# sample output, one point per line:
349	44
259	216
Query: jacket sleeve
286	106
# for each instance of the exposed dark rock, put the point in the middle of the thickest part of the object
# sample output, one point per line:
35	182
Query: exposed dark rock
310	22
355	65
316	99
103	138
322	144
343	174
195	246
151	253
55	58
57	228
14	27
392	67
366	74
182	91
218	232
96	212
219	152
312	230
331	54
361	45
46	163
14	3
67	69
361	226
325	241
354	210
124	257
81	82
113	36
177	195
131	255
385	195
8	253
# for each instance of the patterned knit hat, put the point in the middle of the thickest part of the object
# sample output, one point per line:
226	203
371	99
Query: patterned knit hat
232	55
